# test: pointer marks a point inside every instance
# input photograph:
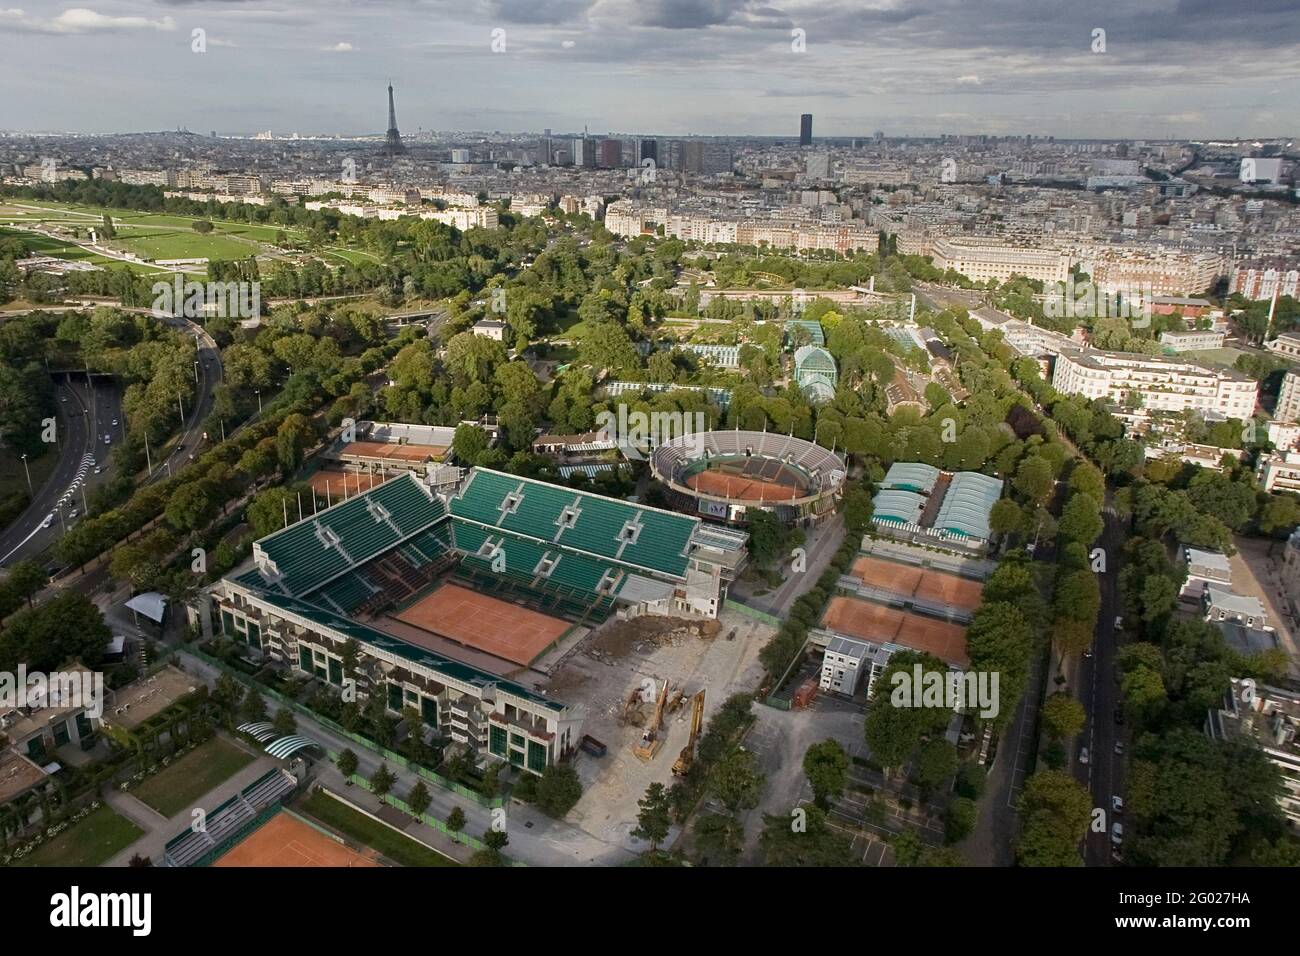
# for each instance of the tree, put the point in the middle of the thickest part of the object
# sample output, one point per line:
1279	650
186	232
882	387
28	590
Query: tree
896	725
958	819
284	723
858	509
456	820
720	837
294	436
192	506
347	764
935	763
1081	519
496	839
1063	716
1055	809
654	818
1006	517
558	790
419	799
253	708
737	781
202	226
826	766
803	838
765	537
382	781
1034	479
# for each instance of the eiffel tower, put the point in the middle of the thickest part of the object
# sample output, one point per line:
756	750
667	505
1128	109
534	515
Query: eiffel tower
393	142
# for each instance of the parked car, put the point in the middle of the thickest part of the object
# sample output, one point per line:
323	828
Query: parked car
1087	653
1119	622
115	423
49	520
1116	804
1083	756
1117	834
108	439
98	469
1119	748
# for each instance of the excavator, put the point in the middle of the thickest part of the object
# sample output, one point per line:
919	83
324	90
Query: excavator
687	757
650	742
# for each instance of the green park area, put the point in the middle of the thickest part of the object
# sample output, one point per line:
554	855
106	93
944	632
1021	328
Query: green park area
93	840
186	780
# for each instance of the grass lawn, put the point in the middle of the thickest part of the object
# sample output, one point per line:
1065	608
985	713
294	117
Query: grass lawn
178	787
359	827
97	838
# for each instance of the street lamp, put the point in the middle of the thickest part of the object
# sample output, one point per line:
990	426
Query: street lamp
258	393
29	474
196	371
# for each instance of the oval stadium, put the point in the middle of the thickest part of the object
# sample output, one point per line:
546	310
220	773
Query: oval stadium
721	474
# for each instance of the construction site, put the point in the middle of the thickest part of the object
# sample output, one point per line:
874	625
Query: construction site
650	685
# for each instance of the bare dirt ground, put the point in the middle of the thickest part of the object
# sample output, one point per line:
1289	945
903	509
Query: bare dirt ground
623	657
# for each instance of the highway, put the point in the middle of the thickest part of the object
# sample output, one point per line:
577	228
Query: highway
208	373
85	415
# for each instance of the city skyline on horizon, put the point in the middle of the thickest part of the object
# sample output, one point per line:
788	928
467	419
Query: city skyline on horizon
1184	69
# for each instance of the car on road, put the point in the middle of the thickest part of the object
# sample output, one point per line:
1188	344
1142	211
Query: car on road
1116	804
49	520
1117	834
64	399
115	423
1087	653
108	439
1119	622
1119	748
1083	756
73	513
98	469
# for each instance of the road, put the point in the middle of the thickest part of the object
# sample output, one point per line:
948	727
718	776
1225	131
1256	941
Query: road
1104	773
208	374
85	415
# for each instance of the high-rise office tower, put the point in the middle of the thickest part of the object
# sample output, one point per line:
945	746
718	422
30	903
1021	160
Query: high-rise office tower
805	129
648	149
611	153
393	141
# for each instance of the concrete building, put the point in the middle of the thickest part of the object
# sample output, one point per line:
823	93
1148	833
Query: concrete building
1203	569
1288	399
1192	341
1157	384
1287	345
1260	280
1269	718
844	664
1289	572
490	329
1279	471
981	259
1221	603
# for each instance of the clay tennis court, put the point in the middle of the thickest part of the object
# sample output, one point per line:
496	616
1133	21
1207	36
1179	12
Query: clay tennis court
485	623
740	488
336	482
910	581
392	451
875	622
287	841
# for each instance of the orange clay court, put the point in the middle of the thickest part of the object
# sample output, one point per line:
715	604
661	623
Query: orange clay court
393	451
740	488
334	482
286	841
485	623
923	583
875	622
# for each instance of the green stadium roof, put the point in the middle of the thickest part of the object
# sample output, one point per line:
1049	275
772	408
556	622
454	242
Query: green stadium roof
911	476
904	507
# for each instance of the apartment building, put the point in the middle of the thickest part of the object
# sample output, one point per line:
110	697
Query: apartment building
1269	718
1287	345
1260	280
1196	341
1159	384
982	259
1161	272
1288	399
1279	471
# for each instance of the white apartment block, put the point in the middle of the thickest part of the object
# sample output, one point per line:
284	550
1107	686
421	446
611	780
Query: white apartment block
1257	280
1192	341
1163	384
843	664
1279	472
1288	572
1288	399
983	259
1269	718
482	217
1287	344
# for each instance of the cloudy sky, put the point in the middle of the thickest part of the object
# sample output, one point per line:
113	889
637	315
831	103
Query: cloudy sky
1161	68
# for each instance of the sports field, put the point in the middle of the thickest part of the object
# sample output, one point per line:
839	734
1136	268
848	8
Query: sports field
333	485
392	451
287	841
485	623
905	579
875	622
740	487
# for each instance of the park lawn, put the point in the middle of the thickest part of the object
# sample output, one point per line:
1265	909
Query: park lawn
360	828
97	838
182	244
181	784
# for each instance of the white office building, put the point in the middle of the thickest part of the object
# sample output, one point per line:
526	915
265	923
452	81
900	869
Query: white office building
1161	384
